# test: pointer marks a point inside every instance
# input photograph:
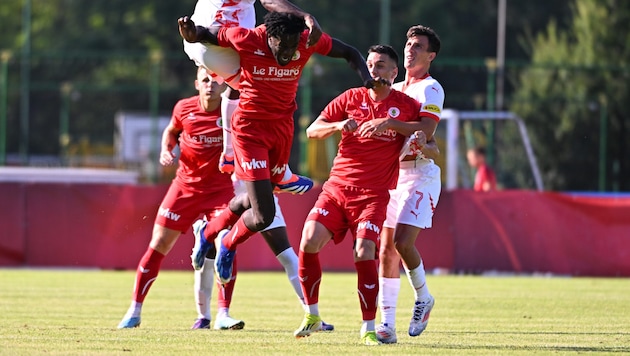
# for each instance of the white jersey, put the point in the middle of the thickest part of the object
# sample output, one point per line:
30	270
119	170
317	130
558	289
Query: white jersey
229	13
221	61
430	94
419	183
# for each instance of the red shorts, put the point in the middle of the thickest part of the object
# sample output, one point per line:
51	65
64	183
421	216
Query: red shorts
261	148
180	206
341	208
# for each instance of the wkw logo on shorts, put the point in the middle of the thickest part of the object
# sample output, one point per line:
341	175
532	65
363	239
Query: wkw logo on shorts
319	211
254	164
367	225
165	212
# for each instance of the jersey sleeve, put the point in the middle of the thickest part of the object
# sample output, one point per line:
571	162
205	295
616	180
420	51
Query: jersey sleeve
324	44
434	101
231	36
336	108
176	117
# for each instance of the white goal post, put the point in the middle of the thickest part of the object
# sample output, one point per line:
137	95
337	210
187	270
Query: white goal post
453	117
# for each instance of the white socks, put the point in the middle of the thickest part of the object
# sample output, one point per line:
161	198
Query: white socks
204	281
289	261
134	311
389	289
227	110
418	282
368	325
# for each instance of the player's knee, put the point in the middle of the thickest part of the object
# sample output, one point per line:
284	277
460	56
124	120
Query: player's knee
365	250
403	246
263	219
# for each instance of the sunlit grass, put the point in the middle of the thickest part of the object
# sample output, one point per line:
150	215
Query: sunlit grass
76	312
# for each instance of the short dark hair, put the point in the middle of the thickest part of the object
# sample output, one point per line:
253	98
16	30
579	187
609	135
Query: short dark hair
384	49
434	39
283	23
480	150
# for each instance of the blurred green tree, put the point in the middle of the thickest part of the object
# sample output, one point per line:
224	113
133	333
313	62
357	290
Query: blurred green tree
574	98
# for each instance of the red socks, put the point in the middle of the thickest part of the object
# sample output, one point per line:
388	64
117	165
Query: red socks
147	272
225	220
237	235
310	274
224	298
367	278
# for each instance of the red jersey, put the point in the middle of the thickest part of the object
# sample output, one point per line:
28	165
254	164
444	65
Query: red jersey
267	89
200	144
484	174
369	162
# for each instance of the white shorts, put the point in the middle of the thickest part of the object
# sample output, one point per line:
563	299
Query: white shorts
222	61
416	195
278	220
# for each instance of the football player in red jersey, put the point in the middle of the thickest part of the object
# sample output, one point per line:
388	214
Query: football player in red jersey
374	124
273	56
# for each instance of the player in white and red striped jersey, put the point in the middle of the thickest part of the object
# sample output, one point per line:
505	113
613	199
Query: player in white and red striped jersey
374	124
413	201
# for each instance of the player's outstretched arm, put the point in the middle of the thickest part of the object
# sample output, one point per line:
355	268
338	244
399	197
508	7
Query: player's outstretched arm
357	62
315	31
192	33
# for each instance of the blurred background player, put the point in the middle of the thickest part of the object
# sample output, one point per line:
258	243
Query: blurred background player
412	203
224	64
485	179
373	123
273	56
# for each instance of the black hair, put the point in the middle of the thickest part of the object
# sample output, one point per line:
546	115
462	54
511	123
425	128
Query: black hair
384	49
283	23
434	39
480	150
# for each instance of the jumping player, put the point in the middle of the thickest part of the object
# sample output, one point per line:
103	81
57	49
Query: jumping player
224	62
273	56
374	124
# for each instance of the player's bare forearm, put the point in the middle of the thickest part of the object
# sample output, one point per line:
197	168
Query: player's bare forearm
192	33
431	150
322	128
315	31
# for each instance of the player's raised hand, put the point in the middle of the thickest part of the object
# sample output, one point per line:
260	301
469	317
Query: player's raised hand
314	31
187	29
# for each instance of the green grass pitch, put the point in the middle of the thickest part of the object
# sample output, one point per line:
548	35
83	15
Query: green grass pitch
68	312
